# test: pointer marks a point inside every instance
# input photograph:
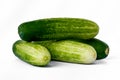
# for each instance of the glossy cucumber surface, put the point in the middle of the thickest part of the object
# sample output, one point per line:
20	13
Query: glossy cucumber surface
31	53
70	51
57	29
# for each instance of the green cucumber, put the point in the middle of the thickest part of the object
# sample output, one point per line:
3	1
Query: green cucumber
101	47
57	29
31	53
70	51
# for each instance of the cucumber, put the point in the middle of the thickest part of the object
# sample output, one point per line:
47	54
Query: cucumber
31	53
57	29
101	47
70	51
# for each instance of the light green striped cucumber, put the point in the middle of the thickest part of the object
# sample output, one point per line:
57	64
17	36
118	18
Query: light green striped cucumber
57	29
31	53
70	51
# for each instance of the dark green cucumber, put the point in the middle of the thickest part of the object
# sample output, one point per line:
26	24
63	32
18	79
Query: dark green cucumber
58	28
31	53
101	47
70	51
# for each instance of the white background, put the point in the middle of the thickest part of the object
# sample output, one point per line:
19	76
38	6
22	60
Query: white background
106	13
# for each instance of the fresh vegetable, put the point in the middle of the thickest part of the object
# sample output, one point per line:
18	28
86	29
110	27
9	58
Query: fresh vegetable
57	29
61	39
31	53
70	51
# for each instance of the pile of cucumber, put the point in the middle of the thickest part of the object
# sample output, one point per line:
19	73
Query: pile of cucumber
61	39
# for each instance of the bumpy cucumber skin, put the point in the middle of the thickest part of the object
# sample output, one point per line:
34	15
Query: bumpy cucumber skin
58	28
31	53
71	51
